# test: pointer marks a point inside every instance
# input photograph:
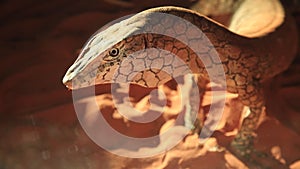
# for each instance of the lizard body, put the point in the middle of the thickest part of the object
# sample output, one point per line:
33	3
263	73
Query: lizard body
247	60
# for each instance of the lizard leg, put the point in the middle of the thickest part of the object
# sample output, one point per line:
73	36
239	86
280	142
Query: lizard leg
251	96
243	143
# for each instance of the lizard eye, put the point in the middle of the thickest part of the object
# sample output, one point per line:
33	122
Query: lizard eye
114	52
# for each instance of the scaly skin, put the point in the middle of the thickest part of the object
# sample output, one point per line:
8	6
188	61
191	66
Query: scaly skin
247	62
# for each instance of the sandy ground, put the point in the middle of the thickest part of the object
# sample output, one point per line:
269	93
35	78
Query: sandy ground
39	126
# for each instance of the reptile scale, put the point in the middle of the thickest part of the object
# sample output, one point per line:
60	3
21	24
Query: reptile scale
259	43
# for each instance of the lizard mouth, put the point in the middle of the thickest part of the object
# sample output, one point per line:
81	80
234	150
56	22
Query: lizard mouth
77	82
68	79
68	84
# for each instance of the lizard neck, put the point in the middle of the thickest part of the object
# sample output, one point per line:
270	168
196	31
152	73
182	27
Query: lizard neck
261	57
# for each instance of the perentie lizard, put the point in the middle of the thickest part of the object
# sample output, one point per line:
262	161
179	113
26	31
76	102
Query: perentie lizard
259	43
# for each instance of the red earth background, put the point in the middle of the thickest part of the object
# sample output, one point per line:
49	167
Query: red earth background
39	127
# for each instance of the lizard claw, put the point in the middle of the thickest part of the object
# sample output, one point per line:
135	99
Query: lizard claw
254	158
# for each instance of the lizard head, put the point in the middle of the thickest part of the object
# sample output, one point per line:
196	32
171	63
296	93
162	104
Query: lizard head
94	67
111	56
